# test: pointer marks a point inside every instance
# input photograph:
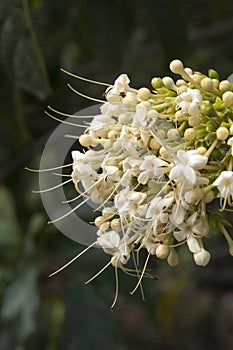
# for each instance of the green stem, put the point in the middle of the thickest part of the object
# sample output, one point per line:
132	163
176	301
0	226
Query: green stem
228	238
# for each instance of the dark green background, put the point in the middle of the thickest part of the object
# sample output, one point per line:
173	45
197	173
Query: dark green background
187	307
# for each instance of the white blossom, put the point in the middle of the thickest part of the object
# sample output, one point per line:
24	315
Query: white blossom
224	184
189	101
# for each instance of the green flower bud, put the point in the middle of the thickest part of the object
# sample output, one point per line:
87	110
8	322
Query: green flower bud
213	74
157	83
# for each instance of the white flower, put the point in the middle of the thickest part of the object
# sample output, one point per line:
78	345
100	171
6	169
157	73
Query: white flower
127	201
224	183
189	101
202	257
190	230
140	116
186	164
157	210
152	167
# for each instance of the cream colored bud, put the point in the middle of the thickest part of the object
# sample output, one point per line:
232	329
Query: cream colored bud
144	93
154	144
169	83
216	83
162	251
164	153
181	82
157	83
116	224
227	97
188	71
173	258
179	115
207	84
190	134
193	196
231	129
113	98
177	67
105	226
86	140
130	98
181	89
208	197
222	133
108	212
224	86
197	78
201	150
194	121
112	134
172	134
202	258
99	221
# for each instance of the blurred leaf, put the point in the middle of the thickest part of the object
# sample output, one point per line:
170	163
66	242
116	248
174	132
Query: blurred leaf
20	300
8	223
88	321
18	51
36	222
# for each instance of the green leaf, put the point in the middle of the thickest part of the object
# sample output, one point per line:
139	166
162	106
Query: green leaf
9	229
230	78
20	300
88	322
19	52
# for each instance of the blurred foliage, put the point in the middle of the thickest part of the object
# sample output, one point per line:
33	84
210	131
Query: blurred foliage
188	307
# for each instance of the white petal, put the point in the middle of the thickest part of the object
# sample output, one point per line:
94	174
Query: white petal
193	244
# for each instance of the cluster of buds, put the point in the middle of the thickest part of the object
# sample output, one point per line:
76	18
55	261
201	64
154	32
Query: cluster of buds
153	161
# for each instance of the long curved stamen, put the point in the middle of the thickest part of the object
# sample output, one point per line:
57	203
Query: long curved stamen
72	260
98	273
69	115
69	212
64	121
63	175
142	274
138	276
53	188
82	193
49	169
85	79
85	96
117	288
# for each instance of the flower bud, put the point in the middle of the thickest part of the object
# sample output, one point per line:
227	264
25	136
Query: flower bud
162	251
181	89
231	129
176	66
85	140
116	224
157	83
144	94
172	134
154	144
225	85
169	83
190	134
181	82
173	258
112	134
197	78
202	258
213	74
208	197
207	84
201	150
227	97
99	221
194	121
222	133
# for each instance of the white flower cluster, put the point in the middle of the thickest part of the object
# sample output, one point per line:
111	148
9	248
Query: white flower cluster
154	160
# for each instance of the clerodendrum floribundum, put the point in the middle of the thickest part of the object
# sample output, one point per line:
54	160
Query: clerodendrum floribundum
153	161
